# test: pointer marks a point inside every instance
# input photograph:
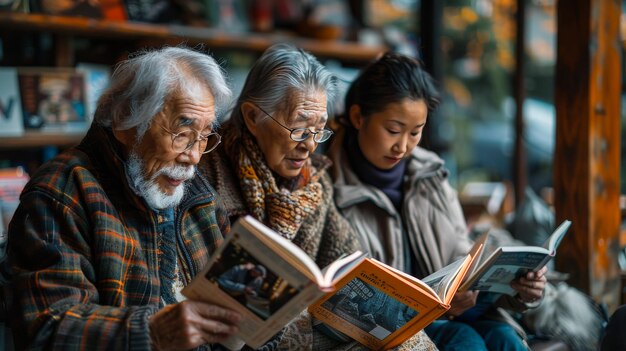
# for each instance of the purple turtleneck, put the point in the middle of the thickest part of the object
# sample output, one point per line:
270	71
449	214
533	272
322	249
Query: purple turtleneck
389	181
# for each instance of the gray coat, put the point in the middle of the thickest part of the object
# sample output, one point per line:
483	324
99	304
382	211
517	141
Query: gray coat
436	229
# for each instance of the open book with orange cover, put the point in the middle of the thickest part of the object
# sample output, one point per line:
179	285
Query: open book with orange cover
270	281
381	307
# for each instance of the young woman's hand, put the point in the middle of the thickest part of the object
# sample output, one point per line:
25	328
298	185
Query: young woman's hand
530	287
461	302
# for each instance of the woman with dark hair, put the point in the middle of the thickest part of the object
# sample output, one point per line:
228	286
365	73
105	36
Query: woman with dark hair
396	195
266	167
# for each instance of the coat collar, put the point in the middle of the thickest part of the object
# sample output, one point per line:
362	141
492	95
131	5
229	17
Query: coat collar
350	190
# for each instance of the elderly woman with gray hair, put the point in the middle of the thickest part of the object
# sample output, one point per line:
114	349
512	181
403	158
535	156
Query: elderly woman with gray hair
266	167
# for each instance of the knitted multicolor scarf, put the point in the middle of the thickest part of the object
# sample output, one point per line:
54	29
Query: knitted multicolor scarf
282	204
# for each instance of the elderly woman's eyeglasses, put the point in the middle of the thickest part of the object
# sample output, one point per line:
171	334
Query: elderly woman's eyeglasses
185	140
302	134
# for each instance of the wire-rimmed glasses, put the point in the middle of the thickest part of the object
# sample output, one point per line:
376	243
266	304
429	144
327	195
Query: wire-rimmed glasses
302	134
185	140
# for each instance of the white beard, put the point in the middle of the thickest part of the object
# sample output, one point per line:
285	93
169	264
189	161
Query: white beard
149	189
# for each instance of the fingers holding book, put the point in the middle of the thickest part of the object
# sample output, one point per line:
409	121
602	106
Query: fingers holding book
189	324
461	302
530	287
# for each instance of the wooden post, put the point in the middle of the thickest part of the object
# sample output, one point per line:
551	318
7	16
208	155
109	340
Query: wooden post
431	27
587	154
519	166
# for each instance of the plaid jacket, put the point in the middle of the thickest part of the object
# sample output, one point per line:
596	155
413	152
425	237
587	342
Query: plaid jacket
84	253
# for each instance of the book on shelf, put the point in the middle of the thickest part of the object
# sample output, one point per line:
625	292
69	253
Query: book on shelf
12	182
53	99
113	10
97	78
507	263
151	11
10	103
270	281
14	5
229	16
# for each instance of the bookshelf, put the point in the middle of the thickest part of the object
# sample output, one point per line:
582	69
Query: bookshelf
87	27
34	139
65	29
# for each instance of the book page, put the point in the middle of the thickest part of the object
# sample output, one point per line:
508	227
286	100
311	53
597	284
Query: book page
336	270
11	122
442	280
411	279
447	280
251	229
375	306
505	265
555	238
245	275
477	252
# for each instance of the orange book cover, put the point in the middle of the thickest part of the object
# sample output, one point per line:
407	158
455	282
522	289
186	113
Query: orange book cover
381	307
371	302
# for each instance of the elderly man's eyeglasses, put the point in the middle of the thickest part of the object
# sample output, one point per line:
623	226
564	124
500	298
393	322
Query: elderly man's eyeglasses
302	134
185	140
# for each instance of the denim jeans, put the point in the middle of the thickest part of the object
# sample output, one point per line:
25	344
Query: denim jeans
478	335
613	338
455	336
499	335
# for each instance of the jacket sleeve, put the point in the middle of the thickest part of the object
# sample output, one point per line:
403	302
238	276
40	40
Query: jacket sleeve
56	304
461	241
339	237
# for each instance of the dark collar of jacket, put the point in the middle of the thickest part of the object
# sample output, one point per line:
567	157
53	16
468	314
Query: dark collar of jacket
350	190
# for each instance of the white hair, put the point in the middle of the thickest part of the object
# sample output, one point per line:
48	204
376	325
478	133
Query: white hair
141	85
280	73
149	189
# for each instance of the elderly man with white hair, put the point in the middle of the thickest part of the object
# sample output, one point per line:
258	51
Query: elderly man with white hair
108	233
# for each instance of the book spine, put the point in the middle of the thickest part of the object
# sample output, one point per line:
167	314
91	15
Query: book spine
543	262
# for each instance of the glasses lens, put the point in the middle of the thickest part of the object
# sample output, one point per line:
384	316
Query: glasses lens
323	135
181	142
210	143
300	134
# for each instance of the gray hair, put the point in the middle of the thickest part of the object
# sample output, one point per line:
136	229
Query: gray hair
141	85
278	74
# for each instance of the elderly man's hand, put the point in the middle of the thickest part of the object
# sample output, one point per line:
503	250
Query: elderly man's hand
189	324
530	287
461	302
